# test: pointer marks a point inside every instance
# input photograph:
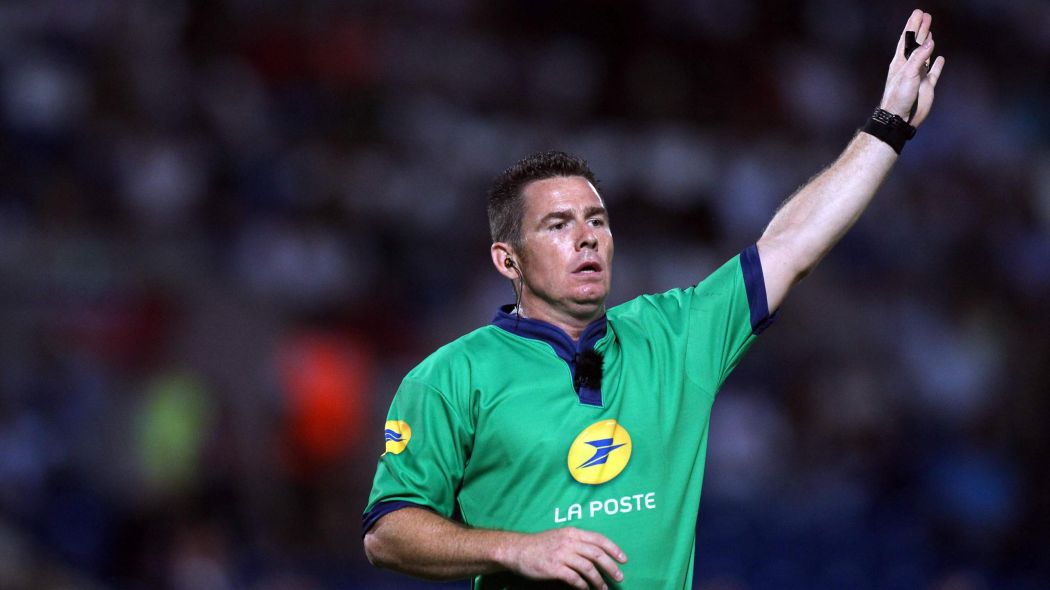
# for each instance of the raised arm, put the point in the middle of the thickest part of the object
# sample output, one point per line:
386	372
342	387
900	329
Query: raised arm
813	220
421	543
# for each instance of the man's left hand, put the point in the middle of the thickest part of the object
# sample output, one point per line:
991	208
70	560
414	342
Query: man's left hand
909	79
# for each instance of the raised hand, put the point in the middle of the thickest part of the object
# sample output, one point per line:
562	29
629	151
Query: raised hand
911	81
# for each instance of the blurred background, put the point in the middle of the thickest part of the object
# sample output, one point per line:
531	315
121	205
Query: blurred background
228	228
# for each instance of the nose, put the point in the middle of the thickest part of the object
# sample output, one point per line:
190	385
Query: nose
588	238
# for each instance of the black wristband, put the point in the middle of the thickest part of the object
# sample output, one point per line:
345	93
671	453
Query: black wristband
889	128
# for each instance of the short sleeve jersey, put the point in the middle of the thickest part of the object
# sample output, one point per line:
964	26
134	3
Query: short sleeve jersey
491	426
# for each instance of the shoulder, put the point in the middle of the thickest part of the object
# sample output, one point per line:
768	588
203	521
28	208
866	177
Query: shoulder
648	316
649	303
453	365
728	276
677	306
462	350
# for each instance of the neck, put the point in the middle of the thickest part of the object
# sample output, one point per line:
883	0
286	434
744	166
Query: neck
571	324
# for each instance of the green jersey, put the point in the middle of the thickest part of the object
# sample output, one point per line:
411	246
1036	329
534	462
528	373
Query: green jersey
492	424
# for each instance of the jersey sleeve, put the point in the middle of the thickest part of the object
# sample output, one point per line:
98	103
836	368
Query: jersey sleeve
727	311
712	324
427	445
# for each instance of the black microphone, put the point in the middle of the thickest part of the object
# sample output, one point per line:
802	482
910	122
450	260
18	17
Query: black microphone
589	365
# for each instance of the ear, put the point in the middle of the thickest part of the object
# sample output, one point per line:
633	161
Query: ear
504	260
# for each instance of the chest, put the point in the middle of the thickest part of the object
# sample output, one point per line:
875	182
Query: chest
533	422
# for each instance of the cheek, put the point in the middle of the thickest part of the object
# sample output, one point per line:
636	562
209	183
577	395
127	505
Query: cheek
558	251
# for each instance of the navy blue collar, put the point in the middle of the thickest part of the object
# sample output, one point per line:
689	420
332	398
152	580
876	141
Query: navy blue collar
563	345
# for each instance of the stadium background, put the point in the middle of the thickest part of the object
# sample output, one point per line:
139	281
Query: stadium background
228	228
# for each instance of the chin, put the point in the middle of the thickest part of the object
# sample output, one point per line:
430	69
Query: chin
592	293
588	302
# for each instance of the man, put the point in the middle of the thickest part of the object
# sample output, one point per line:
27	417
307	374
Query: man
571	440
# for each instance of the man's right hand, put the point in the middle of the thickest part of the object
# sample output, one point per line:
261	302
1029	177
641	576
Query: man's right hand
420	542
570	555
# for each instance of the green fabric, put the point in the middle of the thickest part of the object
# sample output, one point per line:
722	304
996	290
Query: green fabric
493	416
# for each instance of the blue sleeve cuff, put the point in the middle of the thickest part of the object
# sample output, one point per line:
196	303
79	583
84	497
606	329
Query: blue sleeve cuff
370	518
755	284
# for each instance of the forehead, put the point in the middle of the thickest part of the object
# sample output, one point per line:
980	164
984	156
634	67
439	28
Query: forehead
558	194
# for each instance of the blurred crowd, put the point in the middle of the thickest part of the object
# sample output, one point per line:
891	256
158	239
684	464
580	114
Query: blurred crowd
228	228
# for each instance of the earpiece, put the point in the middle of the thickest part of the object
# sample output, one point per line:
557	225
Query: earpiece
518	284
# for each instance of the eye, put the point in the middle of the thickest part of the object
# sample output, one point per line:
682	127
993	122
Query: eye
557	226
597	222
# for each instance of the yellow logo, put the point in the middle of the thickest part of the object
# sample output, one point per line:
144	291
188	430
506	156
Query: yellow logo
397	435
599	453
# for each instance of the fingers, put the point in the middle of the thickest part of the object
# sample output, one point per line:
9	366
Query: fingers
604	552
914	21
577	557
910	81
935	71
600	550
925	100
913	24
919	22
607	546
608	565
924	27
917	62
585	568
571	577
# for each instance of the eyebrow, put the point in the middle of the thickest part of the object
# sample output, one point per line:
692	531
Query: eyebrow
567	214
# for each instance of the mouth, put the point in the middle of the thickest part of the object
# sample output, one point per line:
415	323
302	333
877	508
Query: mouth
588	268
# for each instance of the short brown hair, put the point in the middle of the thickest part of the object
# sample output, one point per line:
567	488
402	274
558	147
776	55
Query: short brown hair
506	206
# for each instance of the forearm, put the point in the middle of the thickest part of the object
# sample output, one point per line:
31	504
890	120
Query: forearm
820	213
421	543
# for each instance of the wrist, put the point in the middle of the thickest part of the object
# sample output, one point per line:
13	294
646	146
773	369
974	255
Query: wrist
503	552
889	128
903	114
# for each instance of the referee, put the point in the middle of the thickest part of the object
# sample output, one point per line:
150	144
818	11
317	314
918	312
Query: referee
570	439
